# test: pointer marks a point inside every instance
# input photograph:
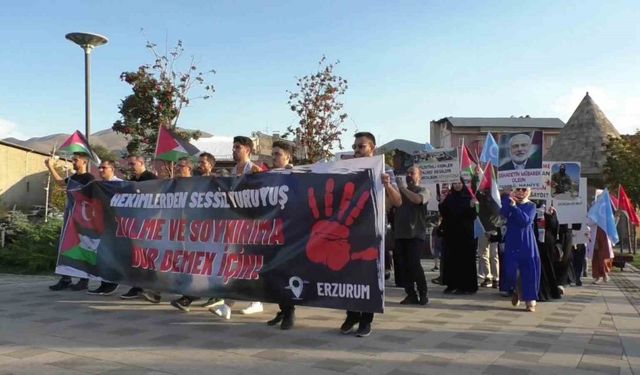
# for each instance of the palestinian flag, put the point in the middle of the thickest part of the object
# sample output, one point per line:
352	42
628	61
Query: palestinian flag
468	169
489	199
78	143
81	234
170	147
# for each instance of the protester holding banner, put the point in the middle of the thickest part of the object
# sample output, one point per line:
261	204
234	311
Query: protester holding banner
106	170
458	212
138	172
521	273
364	146
410	233
282	153
82	177
206	163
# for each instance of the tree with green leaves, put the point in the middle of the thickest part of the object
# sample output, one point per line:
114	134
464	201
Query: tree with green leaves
623	164
321	119
103	152
160	93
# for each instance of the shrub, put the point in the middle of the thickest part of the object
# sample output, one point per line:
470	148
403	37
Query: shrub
33	249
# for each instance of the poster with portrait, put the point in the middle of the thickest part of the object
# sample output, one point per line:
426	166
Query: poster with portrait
520	159
564	181
541	193
572	211
438	165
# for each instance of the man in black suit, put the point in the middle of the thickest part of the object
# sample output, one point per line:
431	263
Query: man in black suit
519	151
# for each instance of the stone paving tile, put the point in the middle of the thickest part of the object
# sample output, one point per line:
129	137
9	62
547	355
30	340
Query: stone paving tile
335	365
599	368
505	370
26	353
87	365
533	345
521	357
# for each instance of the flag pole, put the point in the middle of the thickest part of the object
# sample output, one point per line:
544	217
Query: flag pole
47	188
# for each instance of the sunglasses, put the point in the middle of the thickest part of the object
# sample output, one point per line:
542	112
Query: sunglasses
101	167
360	146
520	189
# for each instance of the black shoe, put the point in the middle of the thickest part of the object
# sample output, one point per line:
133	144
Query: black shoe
181	303
448	290
61	284
277	319
437	281
435	268
151	296
132	293
409	300
495	284
387	275
82	284
423	300
364	329
347	327
108	289
578	283
95	292
288	320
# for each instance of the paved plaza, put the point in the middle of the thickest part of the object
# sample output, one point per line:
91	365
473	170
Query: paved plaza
594	329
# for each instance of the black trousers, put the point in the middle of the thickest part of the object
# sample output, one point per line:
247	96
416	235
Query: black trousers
359	317
578	261
287	308
409	254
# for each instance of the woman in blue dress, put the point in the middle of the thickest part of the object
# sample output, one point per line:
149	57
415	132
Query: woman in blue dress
521	274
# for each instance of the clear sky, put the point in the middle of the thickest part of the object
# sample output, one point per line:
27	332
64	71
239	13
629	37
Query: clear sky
407	62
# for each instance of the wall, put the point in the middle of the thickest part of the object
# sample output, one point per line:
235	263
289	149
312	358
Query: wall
23	177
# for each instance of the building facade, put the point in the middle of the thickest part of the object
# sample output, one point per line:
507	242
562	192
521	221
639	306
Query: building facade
23	176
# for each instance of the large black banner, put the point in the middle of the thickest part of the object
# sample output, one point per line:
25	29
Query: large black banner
312	235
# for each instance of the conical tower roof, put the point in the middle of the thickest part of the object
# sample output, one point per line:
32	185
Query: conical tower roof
583	138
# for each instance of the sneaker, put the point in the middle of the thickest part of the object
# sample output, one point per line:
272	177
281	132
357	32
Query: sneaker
253	308
278	318
423	300
561	290
151	296
95	292
287	321
60	285
437	281
182	303
364	330
409	300
223	311
212	302
579	283
108	289
347	327
495	284
387	274
596	281
487	283
132	293
435	268
82	284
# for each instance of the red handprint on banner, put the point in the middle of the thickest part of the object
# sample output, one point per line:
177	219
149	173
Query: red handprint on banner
329	239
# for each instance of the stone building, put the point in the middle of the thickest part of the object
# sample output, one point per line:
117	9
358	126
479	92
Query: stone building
23	176
583	139
450	131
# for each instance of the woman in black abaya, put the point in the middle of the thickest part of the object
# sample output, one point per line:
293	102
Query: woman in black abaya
459	273
548	256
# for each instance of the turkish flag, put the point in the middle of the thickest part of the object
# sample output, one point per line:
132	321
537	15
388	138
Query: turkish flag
624	204
87	214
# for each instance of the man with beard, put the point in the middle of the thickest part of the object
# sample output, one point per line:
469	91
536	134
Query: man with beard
107	172
519	151
81	176
138	172
410	233
364	146
560	181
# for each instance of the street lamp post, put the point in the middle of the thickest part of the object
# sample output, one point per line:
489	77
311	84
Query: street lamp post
87	42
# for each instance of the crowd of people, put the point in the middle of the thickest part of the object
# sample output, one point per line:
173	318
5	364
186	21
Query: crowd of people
523	259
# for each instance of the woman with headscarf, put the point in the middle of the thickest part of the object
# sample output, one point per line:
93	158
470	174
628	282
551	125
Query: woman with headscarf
546	229
521	274
458	212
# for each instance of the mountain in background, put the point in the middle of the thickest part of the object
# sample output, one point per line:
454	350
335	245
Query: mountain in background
113	141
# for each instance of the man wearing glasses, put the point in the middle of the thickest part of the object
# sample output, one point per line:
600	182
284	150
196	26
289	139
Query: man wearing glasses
82	176
107	172
365	146
138	172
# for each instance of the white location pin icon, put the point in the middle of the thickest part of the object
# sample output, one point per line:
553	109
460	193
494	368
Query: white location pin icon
296	285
